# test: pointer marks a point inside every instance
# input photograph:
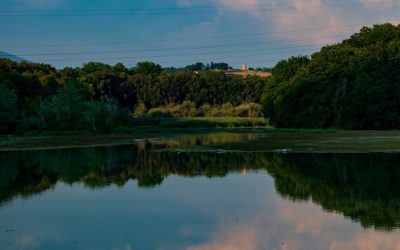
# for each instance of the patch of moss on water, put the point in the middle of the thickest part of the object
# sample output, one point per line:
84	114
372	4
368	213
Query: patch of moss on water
223	140
314	142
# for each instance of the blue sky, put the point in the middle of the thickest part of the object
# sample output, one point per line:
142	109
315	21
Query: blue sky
181	32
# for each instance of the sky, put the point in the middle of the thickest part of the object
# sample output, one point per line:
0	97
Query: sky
175	33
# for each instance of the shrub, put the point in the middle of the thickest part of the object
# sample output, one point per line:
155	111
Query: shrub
249	110
159	112
227	110
188	109
205	110
140	110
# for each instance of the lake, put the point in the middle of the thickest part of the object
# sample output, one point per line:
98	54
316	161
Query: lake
222	190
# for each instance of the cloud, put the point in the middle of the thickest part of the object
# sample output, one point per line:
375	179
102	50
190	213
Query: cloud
184	3
246	5
307	15
37	3
336	20
384	4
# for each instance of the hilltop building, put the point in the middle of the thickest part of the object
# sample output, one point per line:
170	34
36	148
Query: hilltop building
244	72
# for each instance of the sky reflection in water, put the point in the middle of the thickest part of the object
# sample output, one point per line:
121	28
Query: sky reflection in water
253	201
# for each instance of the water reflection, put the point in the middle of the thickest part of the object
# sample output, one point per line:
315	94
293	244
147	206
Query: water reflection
298	226
360	186
246	209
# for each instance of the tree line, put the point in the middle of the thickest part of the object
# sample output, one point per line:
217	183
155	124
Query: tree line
101	97
354	84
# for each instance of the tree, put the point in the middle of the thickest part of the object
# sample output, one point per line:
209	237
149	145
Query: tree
354	84
65	108
148	68
8	108
92	113
199	66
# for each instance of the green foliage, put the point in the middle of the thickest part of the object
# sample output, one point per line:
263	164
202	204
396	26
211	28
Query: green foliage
188	109
199	66
214	122
159	112
249	110
352	85
274	99
148	68
65	108
8	109
140	110
99	97
92	113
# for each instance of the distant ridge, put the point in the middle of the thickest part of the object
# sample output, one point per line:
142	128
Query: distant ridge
12	57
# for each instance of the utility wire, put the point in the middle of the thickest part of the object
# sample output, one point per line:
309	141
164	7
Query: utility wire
184	38
269	50
173	8
215	59
181	48
219	11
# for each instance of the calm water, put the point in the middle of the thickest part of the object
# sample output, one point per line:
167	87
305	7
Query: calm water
158	195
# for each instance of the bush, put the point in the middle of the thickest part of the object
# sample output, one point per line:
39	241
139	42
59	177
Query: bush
205	110
140	110
32	123
188	109
159	112
227	109
249	110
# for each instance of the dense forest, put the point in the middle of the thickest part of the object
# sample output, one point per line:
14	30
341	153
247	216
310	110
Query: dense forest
100	97
354	84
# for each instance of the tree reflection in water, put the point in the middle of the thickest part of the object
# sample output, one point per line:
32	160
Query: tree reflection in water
363	187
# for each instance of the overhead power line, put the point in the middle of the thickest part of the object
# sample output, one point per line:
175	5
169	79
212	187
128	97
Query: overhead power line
190	7
237	53
194	38
218	11
182	48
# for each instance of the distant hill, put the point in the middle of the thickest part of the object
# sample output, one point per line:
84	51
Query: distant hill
12	57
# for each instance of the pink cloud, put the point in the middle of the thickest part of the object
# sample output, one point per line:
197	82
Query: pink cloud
383	4
368	240
235	239
338	20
